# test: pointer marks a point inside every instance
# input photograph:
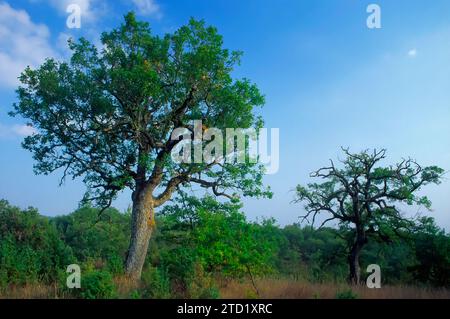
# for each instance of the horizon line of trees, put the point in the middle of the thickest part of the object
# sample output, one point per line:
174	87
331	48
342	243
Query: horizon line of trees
199	245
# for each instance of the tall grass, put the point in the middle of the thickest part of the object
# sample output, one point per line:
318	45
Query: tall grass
267	289
288	289
32	291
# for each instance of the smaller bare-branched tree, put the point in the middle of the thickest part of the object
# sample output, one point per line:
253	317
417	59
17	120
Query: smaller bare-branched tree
365	197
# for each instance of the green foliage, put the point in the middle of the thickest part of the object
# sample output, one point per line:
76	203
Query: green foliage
97	284
197	247
31	249
219	237
179	263
395	259
93	236
199	239
432	248
128	99
228	244
156	283
313	255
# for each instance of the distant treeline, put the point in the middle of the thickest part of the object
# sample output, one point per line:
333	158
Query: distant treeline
197	245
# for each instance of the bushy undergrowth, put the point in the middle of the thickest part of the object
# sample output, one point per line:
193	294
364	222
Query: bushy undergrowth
195	252
31	249
97	284
156	283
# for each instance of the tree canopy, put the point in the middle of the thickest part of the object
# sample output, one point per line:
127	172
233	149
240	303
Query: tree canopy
107	115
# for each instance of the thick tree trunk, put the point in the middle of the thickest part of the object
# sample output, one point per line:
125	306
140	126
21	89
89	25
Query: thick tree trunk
142	225
353	258
353	262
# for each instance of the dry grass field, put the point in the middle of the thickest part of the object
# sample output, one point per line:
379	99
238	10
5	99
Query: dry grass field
285	289
267	289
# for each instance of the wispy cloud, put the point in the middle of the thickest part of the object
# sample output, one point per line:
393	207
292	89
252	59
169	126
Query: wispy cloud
148	8
16	130
23	130
23	43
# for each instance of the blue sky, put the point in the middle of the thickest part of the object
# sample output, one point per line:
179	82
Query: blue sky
329	81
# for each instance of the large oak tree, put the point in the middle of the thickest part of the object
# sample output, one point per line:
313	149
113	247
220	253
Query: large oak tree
365	197
108	114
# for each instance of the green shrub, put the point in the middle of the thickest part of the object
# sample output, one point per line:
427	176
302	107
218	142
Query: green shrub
31	249
97	236
114	264
97	284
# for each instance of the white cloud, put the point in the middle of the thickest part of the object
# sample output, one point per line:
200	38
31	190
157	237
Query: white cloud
23	130
412	53
9	131
91	12
23	43
148	8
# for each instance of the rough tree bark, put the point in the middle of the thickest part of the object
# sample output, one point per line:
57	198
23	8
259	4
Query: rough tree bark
143	223
143	214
